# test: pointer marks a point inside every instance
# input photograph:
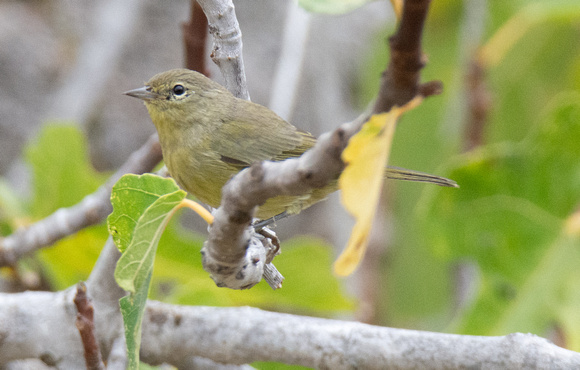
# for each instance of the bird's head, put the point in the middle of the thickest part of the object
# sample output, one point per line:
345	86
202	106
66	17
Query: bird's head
177	94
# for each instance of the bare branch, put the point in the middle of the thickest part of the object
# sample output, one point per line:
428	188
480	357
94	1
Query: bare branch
399	84
370	273
40	325
227	49
67	221
401	80
180	331
194	39
105	295
172	334
86	326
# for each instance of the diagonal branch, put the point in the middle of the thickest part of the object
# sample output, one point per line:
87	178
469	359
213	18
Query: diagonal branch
67	221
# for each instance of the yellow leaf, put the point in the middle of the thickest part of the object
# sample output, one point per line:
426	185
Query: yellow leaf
361	181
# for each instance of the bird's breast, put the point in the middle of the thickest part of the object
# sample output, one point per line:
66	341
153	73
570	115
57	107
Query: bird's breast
199	172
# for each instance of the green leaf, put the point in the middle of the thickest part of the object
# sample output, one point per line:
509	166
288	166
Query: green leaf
332	6
63	174
532	308
136	262
130	197
142	207
509	217
132	309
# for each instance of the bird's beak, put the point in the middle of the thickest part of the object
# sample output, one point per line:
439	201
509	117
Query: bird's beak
143	93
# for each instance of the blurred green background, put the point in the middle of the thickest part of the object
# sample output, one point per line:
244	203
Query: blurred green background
498	255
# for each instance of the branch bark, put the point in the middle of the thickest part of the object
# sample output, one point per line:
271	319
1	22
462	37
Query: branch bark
86	325
227	44
401	80
31	326
332	344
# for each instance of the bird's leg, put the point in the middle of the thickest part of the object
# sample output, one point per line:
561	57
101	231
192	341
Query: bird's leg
261	228
260	224
269	234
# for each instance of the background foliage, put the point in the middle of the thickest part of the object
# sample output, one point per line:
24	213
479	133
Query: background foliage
509	229
518	189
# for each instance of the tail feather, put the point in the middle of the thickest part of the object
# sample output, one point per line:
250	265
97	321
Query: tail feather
398	173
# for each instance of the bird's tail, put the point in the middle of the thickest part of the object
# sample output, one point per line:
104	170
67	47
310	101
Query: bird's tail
398	173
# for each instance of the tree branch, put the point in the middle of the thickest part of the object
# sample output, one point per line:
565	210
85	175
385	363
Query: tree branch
227	48
331	344
67	221
172	334
401	80
194	39
40	325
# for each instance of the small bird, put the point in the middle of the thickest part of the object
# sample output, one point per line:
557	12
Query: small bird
207	135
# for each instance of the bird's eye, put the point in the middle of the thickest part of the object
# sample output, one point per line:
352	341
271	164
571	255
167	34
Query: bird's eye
178	90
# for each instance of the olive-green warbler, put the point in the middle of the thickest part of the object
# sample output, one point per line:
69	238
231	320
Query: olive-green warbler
207	135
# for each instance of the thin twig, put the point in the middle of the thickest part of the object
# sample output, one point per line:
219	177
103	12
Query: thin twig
401	80
370	274
194	39
289	64
86	326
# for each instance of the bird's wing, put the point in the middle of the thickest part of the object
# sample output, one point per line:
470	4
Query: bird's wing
257	136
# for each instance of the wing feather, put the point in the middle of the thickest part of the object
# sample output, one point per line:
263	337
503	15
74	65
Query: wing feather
257	135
